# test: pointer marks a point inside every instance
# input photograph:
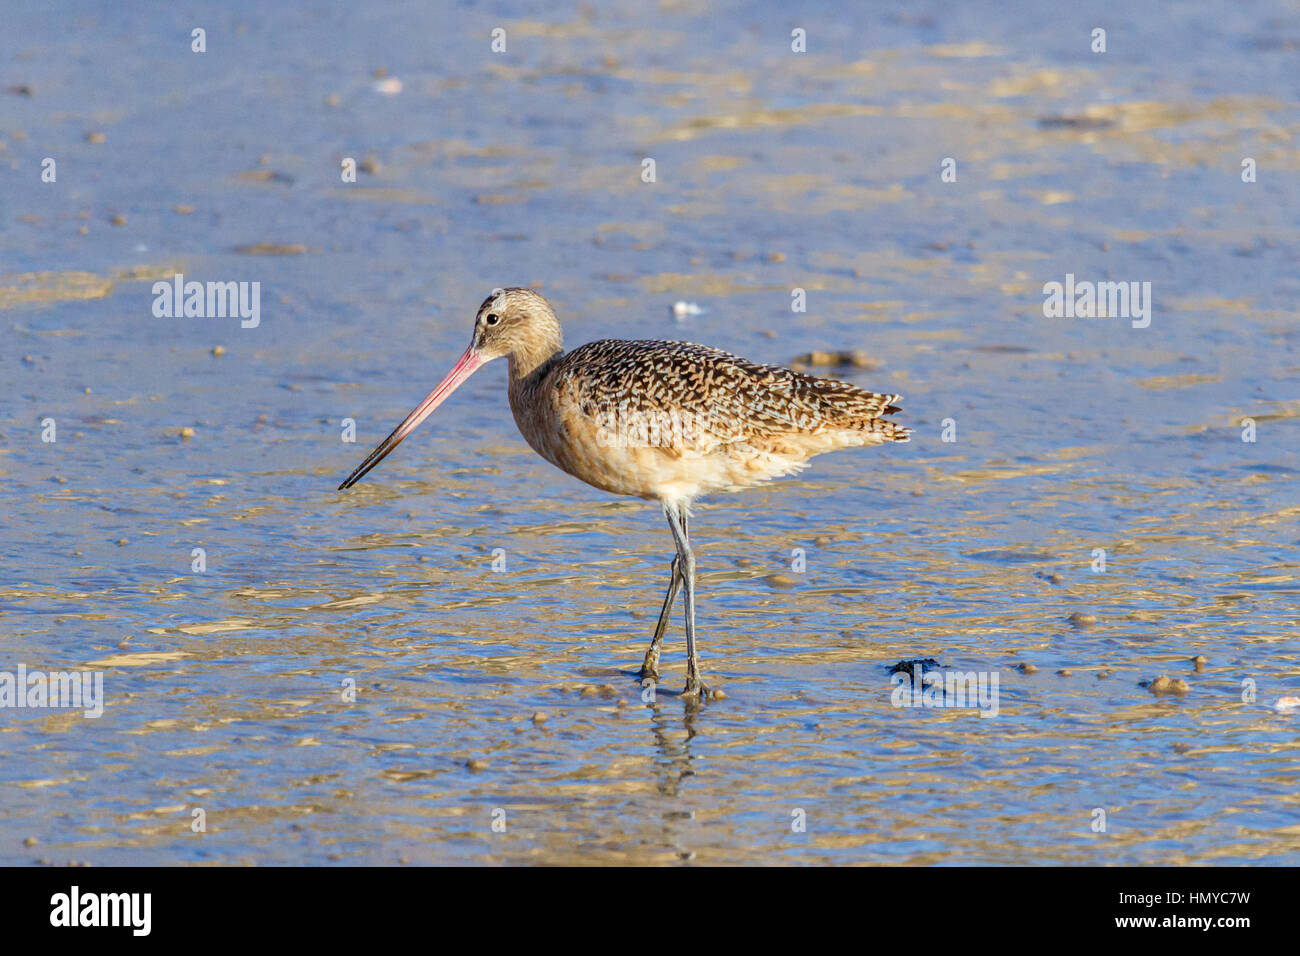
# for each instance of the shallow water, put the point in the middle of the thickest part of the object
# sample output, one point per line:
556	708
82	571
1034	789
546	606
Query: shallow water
774	171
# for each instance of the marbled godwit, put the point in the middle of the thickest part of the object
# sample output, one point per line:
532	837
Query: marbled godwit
665	421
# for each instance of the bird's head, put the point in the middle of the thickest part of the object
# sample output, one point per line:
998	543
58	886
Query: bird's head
514	322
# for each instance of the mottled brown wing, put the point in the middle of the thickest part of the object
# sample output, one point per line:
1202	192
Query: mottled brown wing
681	394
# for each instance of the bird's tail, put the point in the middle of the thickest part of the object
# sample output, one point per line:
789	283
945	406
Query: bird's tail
862	411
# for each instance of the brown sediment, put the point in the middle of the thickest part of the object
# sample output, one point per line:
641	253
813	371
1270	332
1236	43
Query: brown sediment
274	249
1164	686
52	287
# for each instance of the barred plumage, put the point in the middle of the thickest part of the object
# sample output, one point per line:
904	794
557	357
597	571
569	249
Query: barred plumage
740	399
677	420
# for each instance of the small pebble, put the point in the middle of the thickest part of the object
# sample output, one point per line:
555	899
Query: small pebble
719	694
218	351
1065	672
477	765
1082	620
182	210
1027	668
539	717
1200	660
30	841
118	221
122	542
96	137
780	581
187	432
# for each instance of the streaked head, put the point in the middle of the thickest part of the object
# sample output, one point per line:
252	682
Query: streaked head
514	322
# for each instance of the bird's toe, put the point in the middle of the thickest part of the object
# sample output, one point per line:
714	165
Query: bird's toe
697	689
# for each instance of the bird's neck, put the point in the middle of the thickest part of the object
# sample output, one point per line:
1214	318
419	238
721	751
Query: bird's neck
524	390
527	371
543	344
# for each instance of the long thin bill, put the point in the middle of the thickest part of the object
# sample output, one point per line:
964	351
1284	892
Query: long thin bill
469	363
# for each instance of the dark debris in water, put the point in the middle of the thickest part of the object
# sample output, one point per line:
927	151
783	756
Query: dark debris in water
1009	557
909	666
1074	122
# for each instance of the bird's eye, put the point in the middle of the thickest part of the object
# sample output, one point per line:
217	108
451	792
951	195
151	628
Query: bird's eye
492	318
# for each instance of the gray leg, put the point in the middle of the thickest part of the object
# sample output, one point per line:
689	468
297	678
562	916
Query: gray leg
650	669
678	523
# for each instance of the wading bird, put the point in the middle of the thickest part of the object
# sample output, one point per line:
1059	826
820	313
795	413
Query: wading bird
665	421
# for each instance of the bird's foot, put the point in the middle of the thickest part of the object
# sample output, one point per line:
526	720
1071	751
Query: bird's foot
650	669
698	690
